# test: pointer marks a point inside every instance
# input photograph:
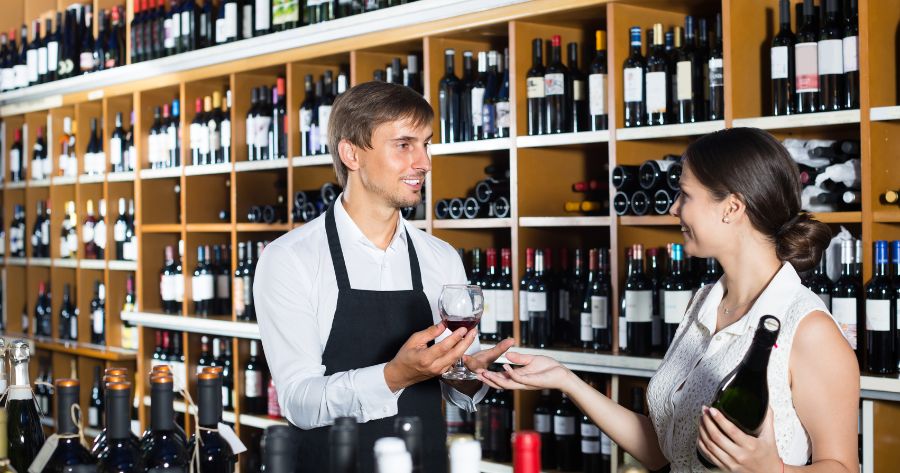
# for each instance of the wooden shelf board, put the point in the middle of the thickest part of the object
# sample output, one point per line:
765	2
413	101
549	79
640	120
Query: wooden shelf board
595	362
321	160
39	102
648	220
39	262
802	120
263	227
65	263
209	227
16	185
224	328
207	169
161	228
117	265
16	261
493	467
569	221
880	387
160	173
120	176
563	139
243	166
420	224
260	422
669	131
474	223
886	216
479	146
91	178
838	217
39	183
63	180
85	349
884	113
92	264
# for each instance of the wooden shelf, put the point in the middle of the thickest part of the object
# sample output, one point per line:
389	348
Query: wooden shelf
161	228
669	131
884	113
322	160
85	349
91	178
63	180
92	264
466	147
474	223
16	185
120	177
17	261
224	328
803	120
887	216
562	139
160	173
207	169
39	183
243	166
117	265
65	263
648	220
573	221
209	227
876	387
263	227
45	262
838	217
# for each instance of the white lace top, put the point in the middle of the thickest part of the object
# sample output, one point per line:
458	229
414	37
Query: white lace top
699	358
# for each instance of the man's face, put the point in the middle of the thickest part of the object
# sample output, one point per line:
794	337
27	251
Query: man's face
394	169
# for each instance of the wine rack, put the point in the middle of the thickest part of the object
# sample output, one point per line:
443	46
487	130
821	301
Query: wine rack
542	167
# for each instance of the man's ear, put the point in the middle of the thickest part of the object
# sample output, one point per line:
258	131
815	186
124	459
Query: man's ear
348	155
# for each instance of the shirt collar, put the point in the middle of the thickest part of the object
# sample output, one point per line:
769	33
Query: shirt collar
350	232
771	302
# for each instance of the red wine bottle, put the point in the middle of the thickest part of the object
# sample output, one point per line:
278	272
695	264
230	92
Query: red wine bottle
543	425
716	89
831	59
161	448
597	84
688	92
565	428
215	452
806	62
254	383
556	78
487	329
851	57
634	81
676	295
448	100
638	305
881	320
578	92
538	304
122	453
658	71
503	294
535	90
524	315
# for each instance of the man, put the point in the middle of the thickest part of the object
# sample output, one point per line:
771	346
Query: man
347	304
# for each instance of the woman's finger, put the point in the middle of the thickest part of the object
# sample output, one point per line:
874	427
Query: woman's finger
519	358
714	451
732	431
524	379
719	444
704	450
504	381
484	379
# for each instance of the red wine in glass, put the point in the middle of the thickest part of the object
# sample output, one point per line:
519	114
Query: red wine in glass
454	323
461	305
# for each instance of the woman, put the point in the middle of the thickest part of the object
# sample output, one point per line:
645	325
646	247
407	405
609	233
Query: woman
739	203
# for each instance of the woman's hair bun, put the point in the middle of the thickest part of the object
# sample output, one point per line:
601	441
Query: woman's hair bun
801	241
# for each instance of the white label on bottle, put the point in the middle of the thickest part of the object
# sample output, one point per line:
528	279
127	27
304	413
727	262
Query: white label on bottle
45	232
73	327
186	26
523	306
247	23
261	128
806	67
597	94
129	250
93	416
563	425
171	139
87	233
535	87
586	332
554	84
169	39
167	287
8	78
213	141
72	244
42	61
638	306
878	315
250	131
477	95
605	444
634	84
324	118
578	93
503	305
843	309
716	74
253	383
488	323
305	119
537	301
222	289
589	430
225	135
851	53
203	139
599	312
21	72
52	55
115	150
683	84
231	20
779	62
220	30
831	60
31	61
263	13
502	115
194	132
202	288
675	304
179	287
237	447
542	423
14	160
590	447
657	97
97	321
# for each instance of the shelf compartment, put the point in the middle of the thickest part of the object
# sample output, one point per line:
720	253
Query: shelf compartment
89	350
838	217
563	139
669	131
161	228
479	146
884	113
223	328
206	169
473	223
648	220
321	160
117	265
160	173
574	221
120	176
802	120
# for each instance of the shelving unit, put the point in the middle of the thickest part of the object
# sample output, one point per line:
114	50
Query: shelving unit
542	168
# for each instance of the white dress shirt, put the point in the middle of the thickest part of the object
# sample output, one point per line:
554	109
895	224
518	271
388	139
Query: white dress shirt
295	292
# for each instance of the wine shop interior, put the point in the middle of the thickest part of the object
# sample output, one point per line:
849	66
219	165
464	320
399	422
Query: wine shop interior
151	149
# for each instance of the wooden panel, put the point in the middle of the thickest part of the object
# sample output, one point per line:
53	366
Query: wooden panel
886	435
546	177
18	306
261	188
206	197
166	204
13	16
879	54
747	83
34	10
456	176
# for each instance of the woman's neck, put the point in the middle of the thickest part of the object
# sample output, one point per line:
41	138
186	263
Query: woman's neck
748	271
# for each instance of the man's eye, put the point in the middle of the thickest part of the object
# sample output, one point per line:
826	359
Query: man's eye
403	145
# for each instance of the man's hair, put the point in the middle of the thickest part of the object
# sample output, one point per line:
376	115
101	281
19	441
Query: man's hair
361	109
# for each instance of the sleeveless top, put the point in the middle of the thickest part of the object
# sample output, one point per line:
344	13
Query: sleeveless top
699	359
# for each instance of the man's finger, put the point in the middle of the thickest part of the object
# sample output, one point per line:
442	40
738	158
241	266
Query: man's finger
422	337
457	350
444	346
499	349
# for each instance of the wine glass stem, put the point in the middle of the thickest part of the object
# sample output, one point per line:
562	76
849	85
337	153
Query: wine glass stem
459	366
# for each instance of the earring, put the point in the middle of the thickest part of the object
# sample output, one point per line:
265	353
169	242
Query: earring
725	219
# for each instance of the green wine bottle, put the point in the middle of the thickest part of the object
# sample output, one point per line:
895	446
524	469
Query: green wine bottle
743	396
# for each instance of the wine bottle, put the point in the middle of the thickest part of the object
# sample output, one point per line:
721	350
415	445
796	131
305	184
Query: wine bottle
819	283
535	90
42	314
597	81
38	156
657	110
69	454
556	77
161	448
524	314
503	295
129	331
489	128
677	294
448	100
279	447
487	328
98	314
743	395
202	284
215	452
17	159
26	436
543	425
881	321
851	57
654	273
197	133
565	425
537	304
831	59
501	417
31	53
806	62
97	403
688	93
168	283
68	316
173	136
578	107
122	453
502	117
476	94
254	394
638	305
634	81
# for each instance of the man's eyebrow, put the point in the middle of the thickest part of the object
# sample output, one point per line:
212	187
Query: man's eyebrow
411	138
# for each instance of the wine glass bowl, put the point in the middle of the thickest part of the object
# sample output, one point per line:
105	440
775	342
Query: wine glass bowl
460	305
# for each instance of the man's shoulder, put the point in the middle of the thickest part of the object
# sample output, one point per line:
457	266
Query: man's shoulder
305	240
426	242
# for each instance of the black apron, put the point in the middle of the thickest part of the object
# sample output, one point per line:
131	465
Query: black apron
369	328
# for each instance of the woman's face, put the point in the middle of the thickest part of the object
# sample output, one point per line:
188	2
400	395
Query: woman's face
700	216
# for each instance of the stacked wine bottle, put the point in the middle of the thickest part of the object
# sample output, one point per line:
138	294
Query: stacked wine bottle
650	188
488	199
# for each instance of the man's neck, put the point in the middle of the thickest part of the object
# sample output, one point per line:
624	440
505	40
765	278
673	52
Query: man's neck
376	221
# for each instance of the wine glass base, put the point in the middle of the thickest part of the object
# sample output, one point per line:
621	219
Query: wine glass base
460	375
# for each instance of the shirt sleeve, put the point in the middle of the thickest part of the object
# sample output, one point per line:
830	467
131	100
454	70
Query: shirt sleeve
457	275
290	334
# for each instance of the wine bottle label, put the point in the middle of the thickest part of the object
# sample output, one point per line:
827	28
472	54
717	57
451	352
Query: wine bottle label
129	337
129	250
634	84
222	289
585	332
238	296
578	90
72	244
638	306
186	26
213	141
14	161
563	425
21	71
93	416
115	150
203	140
169	37
324	118
488	323
683	85
503	305
231	24
119	231
599	312
590	430
878	315
31	60
8	77
536	301
225	136
605	444
35	241
305	119
590	446
73	327
543	423
194	139
100	234
555	84
253	387
501	115
675	305
843	309
523	306
202	288
779	62
220	30
263	15
831	57
806	67
97	322
851	53
656	92
87	233
261	126
171	139
597	94
42	61
179	287
716	72
477	103
535	87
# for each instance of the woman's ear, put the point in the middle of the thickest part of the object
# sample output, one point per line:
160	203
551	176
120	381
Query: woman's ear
735	208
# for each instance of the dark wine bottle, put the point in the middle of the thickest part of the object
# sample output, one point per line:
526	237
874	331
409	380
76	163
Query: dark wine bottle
98	314
535	90
448	100
716	87
279	447
97	403
70	454
806	57
524	314
782	63
743	395
566	442
538	304
819	283
26	436
215	452
122	453
543	425
881	320
578	91
254	382
638	305
597	84
487	328
831	59
503	295
851	56
556	82
161	448
658	111
634	81
677	294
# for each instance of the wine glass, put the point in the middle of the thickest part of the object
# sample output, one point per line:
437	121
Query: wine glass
461	305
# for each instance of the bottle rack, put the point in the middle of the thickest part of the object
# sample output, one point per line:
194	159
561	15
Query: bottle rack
541	167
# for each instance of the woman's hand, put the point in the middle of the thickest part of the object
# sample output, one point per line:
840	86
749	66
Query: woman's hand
726	445
484	358
535	372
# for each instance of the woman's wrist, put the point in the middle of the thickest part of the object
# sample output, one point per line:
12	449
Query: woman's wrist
570	382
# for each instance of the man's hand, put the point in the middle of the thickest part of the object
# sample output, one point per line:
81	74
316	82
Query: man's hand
416	361
484	358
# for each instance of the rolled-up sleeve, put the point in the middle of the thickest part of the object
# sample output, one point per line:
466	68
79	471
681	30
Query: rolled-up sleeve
290	336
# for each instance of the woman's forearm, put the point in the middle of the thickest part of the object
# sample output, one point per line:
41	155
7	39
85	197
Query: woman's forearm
629	430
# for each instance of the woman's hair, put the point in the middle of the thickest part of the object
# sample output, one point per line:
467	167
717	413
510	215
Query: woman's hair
752	164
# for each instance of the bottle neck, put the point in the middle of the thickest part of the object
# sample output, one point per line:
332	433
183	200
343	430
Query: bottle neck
677	266
65	398
20	374
449	67
757	359
118	420
162	413
210	403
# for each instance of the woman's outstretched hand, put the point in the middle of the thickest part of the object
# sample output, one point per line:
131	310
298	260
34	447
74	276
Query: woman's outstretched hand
535	372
